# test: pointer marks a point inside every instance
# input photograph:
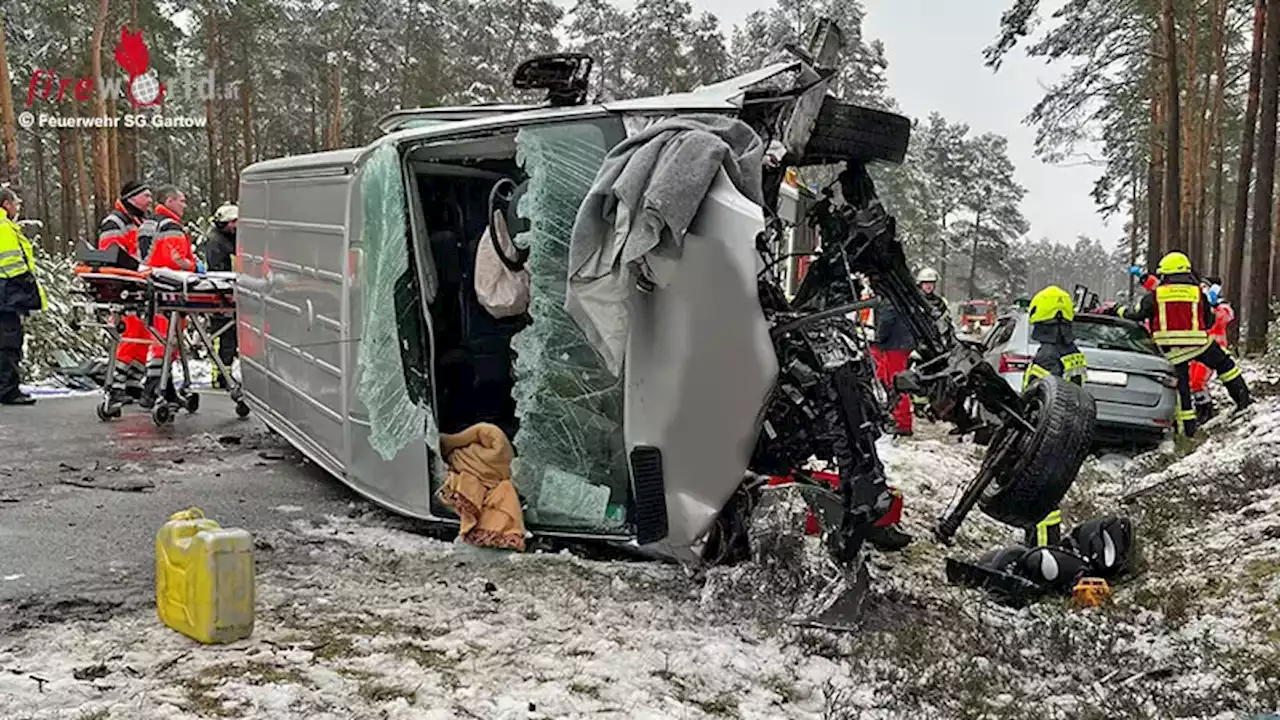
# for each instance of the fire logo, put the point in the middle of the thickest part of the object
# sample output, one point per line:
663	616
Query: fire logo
145	87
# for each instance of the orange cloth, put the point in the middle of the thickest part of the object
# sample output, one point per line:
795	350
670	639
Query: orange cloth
479	487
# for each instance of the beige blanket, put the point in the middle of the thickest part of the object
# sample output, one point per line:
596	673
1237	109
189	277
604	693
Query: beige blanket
479	487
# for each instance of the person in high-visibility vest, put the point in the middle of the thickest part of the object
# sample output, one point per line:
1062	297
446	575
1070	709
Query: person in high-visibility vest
1179	314
20	294
1050	314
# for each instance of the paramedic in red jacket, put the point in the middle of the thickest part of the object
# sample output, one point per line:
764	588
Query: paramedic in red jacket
120	227
171	249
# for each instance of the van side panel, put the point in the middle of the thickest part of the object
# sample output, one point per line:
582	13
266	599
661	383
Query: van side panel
293	248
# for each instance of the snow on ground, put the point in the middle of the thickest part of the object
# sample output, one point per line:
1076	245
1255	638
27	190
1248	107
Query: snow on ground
361	617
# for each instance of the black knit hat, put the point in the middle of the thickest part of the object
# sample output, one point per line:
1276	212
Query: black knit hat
132	188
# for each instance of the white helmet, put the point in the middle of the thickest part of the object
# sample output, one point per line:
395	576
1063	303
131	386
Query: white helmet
226	213
927	275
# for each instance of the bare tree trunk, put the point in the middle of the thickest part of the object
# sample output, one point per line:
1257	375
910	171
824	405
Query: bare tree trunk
113	159
972	287
1235	268
10	173
1155	170
1155	185
87	216
246	115
127	139
1220	69
66	183
101	164
1173	238
1264	188
1190	147
1133	227
42	189
335	132
211	118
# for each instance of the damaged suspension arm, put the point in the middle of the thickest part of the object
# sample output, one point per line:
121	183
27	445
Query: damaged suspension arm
951	371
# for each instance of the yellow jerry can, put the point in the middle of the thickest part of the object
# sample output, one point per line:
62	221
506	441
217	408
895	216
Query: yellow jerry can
204	578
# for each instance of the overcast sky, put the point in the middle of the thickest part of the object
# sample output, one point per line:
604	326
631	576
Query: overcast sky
934	48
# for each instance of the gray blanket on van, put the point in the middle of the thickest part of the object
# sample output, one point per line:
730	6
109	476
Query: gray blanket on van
631	226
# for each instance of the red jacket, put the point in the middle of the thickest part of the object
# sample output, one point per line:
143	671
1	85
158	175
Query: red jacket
171	248
119	227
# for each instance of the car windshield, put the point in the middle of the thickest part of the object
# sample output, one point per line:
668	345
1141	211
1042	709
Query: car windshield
975	309
1097	333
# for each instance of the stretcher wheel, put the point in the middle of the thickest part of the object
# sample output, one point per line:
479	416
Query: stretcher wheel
193	402
106	412
162	414
242	410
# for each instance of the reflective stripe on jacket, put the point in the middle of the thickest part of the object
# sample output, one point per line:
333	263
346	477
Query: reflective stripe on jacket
1177	325
1062	359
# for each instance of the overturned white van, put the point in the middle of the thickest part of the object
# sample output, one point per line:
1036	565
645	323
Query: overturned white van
362	340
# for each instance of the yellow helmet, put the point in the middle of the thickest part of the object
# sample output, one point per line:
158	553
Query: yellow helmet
1173	264
1050	303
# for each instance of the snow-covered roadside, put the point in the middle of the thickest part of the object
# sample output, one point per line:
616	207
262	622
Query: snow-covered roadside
55	386
360	618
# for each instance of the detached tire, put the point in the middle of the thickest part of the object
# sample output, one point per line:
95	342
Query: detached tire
844	131
1040	467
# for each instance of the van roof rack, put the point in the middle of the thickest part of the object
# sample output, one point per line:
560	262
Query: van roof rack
565	76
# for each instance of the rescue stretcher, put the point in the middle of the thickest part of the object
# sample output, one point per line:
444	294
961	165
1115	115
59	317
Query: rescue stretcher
115	290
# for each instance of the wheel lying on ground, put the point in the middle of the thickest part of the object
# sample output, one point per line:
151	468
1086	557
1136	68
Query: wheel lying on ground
1035	469
844	131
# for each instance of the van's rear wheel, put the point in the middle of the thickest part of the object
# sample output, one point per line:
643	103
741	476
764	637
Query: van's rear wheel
845	131
1035	471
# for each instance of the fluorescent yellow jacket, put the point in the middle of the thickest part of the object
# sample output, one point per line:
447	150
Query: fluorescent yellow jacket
17	257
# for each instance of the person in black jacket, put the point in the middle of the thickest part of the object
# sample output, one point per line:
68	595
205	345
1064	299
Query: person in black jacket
892	348
219	251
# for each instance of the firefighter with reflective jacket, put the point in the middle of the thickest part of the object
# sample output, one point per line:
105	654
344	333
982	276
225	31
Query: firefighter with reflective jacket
120	227
1050	314
20	294
1180	315
172	250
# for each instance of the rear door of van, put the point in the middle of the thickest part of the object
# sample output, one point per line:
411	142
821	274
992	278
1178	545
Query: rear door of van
293	252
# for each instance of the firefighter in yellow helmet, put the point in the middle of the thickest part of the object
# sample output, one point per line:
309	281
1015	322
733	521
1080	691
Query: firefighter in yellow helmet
1180	316
1050	314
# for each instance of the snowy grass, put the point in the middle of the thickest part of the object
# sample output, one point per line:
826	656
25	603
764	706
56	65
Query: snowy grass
361	617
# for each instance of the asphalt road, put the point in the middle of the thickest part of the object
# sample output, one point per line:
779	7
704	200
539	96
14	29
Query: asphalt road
81	500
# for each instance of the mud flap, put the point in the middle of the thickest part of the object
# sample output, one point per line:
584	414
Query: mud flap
650	494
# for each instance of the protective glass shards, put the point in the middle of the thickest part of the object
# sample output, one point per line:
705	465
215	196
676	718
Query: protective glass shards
570	407
397	417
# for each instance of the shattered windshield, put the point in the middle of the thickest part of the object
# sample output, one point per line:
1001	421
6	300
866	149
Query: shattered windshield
571	464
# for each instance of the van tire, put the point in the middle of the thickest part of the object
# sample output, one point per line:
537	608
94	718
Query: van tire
845	131
1042	466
